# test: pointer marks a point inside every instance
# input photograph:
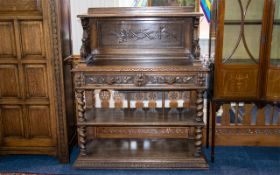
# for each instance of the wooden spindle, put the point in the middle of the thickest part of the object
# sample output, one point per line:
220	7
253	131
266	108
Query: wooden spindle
247	114
225	121
260	121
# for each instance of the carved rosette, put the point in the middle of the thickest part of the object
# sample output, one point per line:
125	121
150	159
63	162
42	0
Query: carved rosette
81	117
201	79
79	80
140	79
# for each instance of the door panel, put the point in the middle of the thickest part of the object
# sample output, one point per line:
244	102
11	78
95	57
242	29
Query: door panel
32	39
12	121
36	81
9	86
39	121
7	37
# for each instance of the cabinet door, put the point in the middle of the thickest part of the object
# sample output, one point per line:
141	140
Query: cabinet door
273	72
26	117
239	48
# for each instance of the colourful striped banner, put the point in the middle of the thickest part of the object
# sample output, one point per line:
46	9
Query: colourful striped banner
206	7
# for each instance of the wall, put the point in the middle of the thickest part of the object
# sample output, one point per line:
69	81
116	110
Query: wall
80	7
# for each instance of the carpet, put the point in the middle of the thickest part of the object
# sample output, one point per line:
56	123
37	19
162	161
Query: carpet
229	161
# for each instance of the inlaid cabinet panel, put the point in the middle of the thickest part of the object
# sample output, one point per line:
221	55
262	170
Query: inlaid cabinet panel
9	86
36	81
239	83
39	121
11	121
273	84
7	37
32	39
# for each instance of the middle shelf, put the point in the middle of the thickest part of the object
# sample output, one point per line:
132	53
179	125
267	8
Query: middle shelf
143	117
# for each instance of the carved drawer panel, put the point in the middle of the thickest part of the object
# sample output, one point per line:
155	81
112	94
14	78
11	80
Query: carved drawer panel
140	79
143	132
238	83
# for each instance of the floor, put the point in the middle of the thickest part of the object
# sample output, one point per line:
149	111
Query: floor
229	160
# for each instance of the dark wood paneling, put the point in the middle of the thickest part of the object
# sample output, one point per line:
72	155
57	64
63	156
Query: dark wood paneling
9	86
36	81
7	38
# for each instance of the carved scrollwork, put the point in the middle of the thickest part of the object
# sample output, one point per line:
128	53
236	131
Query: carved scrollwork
201	79
85	50
140	79
127	34
79	80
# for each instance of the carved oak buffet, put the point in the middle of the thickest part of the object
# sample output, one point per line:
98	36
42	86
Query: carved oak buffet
139	89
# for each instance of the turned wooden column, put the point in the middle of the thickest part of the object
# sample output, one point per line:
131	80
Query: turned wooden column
81	118
199	119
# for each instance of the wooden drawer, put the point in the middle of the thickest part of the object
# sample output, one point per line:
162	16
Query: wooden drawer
136	80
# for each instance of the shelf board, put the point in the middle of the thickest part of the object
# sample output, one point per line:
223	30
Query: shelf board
252	22
141	153
127	117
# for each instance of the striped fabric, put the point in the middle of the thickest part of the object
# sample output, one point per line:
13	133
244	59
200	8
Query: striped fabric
206	7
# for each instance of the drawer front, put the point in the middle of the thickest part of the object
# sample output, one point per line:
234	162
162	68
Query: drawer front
142	132
140	80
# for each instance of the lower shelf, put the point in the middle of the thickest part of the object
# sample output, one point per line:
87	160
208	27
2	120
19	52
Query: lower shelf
141	153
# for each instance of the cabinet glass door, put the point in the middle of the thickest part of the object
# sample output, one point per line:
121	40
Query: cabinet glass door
275	47
242	31
273	72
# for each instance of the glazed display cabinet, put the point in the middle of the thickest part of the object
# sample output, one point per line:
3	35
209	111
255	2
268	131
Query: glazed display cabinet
247	57
139	89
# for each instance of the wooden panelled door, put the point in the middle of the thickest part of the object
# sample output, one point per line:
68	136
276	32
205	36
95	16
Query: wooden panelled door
26	110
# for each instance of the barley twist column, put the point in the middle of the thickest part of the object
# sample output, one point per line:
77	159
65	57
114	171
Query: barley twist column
199	119
81	119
